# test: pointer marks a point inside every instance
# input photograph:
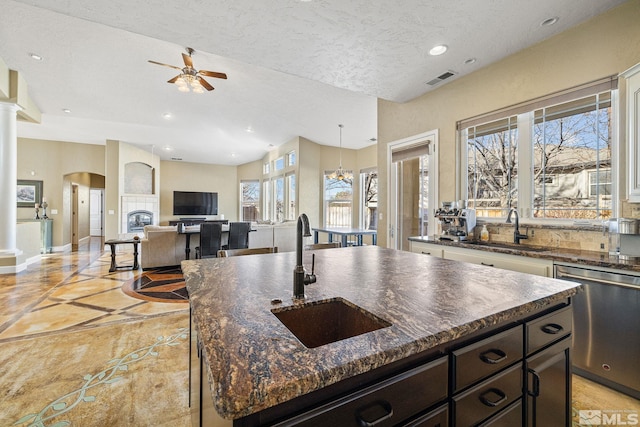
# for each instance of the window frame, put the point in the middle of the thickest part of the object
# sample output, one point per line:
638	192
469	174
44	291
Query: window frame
525	121
327	175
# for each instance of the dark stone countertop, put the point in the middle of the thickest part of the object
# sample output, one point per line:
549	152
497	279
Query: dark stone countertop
254	362
558	255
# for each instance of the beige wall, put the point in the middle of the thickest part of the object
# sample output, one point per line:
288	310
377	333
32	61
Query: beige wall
51	161
603	46
178	176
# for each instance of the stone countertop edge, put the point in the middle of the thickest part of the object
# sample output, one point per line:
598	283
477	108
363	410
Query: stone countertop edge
571	256
254	362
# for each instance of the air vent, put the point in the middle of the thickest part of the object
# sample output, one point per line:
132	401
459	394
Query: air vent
176	158
441	78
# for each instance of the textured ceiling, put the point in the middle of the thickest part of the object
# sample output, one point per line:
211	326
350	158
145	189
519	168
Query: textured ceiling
296	68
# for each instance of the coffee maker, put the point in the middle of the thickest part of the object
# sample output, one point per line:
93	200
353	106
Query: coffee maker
456	221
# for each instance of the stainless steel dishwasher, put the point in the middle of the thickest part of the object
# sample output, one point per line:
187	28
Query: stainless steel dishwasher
606	326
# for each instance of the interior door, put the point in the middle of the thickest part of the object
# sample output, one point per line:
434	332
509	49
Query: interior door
95	212
413	172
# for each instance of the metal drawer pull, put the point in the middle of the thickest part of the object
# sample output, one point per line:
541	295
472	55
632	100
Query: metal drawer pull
426	253
502	397
382	403
485	356
488	265
552	328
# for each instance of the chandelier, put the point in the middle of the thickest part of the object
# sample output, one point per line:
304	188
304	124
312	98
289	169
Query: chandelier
341	174
189	80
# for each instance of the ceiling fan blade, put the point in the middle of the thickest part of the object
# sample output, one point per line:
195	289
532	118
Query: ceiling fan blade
173	80
205	83
187	60
213	74
165	65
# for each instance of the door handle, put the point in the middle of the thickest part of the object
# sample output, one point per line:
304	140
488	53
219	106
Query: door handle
486	356
552	328
488	265
386	406
485	397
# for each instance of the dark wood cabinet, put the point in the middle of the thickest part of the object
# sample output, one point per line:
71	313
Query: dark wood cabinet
510	375
548	394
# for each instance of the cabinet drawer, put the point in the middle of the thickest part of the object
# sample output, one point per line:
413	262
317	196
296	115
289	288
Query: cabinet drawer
548	328
439	417
479	360
509	417
386	403
489	397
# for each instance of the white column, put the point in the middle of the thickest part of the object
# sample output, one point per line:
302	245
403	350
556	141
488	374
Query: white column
8	178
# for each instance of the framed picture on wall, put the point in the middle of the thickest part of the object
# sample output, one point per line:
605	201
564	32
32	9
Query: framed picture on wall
28	193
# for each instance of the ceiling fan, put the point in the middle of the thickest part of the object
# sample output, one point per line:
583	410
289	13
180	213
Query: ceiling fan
190	78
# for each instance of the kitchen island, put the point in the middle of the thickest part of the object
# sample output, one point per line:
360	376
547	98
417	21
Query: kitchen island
431	310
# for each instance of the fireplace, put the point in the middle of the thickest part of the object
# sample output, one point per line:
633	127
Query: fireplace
136	220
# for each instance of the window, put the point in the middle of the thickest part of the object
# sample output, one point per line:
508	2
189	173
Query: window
338	200
249	200
369	199
552	159
291	158
278	194
491	167
291	196
266	200
278	164
266	169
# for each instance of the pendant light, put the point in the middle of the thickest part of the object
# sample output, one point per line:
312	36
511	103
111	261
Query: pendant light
340	174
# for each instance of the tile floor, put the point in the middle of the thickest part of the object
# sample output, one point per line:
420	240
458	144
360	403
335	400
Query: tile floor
76	350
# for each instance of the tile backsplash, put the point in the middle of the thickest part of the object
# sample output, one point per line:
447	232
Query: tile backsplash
589	238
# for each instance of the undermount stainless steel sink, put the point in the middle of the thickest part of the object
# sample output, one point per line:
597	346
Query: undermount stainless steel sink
511	246
326	321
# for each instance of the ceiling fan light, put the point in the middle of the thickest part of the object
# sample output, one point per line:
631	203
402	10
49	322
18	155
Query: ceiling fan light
183	88
198	89
181	81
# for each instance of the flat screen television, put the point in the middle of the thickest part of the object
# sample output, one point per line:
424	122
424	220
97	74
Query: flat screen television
195	203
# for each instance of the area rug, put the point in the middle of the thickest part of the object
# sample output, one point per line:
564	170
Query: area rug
159	285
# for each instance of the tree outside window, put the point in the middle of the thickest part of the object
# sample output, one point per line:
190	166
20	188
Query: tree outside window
569	156
250	200
338	201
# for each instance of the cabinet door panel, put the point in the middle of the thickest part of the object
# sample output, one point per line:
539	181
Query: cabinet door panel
549	387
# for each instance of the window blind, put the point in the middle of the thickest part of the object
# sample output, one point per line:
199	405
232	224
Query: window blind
584	90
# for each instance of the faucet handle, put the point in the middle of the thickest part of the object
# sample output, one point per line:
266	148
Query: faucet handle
311	278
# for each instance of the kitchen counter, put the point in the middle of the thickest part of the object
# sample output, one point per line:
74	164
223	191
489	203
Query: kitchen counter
254	362
572	256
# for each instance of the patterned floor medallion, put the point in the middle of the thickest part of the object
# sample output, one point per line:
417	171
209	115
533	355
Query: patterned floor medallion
160	285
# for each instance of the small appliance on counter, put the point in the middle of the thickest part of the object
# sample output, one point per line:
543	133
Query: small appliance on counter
624	240
456	221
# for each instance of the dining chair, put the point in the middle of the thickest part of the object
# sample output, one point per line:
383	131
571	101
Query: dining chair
210	240
238	235
246	251
313	246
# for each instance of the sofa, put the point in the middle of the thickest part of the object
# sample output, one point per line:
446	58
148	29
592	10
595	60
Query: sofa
162	246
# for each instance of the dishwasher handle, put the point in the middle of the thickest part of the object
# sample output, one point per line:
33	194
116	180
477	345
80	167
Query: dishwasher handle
581	279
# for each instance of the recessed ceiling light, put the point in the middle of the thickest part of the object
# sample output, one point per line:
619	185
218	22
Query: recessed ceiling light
167	116
249	129
233	154
549	21
167	148
438	50
35	56
66	110
470	61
